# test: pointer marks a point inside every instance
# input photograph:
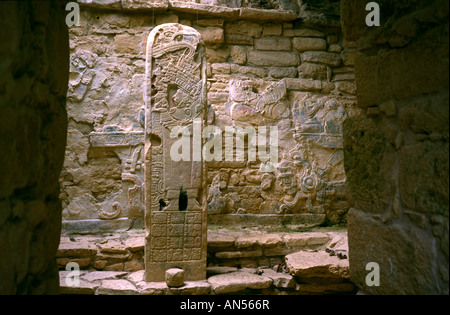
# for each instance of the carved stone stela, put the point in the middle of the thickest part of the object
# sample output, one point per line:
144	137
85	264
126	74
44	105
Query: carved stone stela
175	200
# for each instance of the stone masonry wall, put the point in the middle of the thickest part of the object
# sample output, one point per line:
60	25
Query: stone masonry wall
270	63
396	152
34	71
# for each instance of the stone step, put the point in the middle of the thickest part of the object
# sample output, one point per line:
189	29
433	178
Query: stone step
314	277
125	251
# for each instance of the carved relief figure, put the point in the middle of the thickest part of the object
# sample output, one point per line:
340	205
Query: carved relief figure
305	173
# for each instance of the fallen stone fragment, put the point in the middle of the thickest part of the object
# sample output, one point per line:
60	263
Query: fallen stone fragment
237	281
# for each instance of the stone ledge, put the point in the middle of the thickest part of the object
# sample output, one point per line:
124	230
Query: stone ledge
192	8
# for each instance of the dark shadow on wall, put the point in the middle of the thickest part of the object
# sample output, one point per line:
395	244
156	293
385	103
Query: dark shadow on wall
34	69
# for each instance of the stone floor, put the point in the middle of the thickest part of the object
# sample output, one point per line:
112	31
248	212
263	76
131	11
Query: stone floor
239	262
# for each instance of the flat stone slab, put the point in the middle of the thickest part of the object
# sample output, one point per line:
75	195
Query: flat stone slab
83	287
317	264
280	280
76	249
237	281
117	287
102	275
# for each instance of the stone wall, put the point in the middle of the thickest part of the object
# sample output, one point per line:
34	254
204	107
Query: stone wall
270	63
396	152
33	123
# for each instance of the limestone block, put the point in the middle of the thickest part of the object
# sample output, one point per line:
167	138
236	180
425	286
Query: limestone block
306	264
113	247
304	32
212	10
237	281
134	244
313	71
102	275
238	39
273	43
244	28
192	288
283	72
267	15
238	55
175	277
217	55
303	84
276	59
280	280
211	35
84	287
258	72
128	44
239	254
117	287
76	249
347	87
272	29
166	18
330	59
309	43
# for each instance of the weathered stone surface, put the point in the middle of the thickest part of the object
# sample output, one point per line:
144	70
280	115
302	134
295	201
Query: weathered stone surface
280	280
273	29
211	10
238	39
309	43
211	35
262	240
277	59
273	43
323	57
117	287
128	44
238	55
313	71
303	84
217	270
154	5
102	275
100	4
267	15
239	254
304	32
306	264
84	288
237	281
76	249
113	247
153	288
192	288
220	240
175	277
134	244
137	276
278	73
244	28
